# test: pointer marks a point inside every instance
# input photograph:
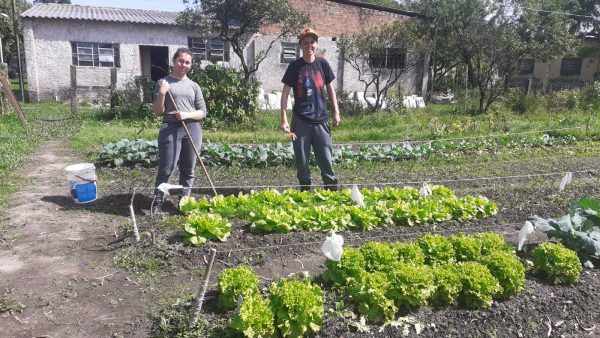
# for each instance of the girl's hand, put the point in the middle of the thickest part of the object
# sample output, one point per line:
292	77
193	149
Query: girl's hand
163	87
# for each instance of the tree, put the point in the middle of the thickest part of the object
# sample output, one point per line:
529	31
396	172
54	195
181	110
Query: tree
9	46
488	38
382	55
236	21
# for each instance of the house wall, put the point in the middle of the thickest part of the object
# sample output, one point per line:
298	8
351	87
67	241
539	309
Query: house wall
546	75
330	20
48	55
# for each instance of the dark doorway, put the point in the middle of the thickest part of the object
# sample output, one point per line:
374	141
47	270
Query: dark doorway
155	61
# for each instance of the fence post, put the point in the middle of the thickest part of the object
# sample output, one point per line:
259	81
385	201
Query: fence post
74	90
113	84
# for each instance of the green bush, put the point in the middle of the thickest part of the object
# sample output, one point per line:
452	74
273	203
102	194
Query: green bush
408	253
378	256
228	99
466	248
298	307
350	266
254	318
448	284
346	104
508	270
411	284
558	262
479	286
437	249
369	293
590	96
236	282
561	101
521	103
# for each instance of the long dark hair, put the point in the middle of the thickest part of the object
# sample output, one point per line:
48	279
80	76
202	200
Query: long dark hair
183	50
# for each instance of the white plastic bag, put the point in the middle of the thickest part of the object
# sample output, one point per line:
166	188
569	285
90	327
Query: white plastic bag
525	230
332	248
165	187
565	180
425	190
357	197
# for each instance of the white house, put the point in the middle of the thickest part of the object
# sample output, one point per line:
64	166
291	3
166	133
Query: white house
141	42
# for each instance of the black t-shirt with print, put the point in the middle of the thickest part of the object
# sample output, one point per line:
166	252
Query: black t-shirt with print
308	81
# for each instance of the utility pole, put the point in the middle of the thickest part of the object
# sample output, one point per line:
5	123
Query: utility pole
19	65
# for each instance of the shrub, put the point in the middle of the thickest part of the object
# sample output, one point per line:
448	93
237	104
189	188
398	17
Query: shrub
410	284
558	262
228	99
378	256
521	103
466	248
350	266
448	284
563	100
508	270
236	282
369	292
254	318
408	253
298	307
478	285
590	96
347	104
437	249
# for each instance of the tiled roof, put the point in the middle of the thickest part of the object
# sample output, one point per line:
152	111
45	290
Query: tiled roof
109	14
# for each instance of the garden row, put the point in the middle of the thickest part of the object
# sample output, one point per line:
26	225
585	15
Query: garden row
145	153
323	210
379	280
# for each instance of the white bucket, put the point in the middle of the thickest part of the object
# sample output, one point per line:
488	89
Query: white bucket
81	179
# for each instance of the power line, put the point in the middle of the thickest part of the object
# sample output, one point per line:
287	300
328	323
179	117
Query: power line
559	13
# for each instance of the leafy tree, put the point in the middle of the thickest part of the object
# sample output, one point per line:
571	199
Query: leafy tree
488	37
236	21
9	46
587	17
382	55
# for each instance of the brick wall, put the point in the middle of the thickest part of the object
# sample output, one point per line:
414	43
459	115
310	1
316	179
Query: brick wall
331	19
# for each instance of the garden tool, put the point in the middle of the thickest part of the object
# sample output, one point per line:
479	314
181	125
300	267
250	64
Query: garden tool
187	132
290	134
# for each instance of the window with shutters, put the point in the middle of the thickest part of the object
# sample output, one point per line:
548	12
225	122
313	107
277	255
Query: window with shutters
95	54
209	49
570	66
526	66
388	58
289	52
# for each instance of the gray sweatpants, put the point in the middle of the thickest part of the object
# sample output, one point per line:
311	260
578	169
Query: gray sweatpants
174	148
319	137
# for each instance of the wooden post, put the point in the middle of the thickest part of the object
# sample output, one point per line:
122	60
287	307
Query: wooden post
202	291
12	99
113	83
74	90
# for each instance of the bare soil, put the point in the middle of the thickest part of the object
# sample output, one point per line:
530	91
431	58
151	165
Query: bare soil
58	274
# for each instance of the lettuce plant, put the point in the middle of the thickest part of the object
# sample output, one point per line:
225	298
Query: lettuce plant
558	262
254	318
408	252
236	282
466	248
369	293
298	307
478	285
508	270
198	228
491	242
410	284
437	248
350	265
378	256
447	282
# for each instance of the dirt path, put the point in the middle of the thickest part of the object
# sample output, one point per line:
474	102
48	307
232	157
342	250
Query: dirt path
52	263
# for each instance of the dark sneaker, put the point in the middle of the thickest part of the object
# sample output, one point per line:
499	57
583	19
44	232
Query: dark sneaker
157	209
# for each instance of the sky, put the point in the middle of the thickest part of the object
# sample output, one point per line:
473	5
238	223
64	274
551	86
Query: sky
162	5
